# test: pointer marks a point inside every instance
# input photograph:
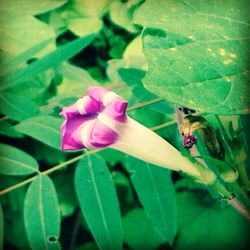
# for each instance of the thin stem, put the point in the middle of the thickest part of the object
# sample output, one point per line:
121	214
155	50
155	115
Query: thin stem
239	207
20	184
49	171
240	194
222	190
66	163
166	124
140	105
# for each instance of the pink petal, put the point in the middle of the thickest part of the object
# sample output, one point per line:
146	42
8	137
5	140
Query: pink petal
101	135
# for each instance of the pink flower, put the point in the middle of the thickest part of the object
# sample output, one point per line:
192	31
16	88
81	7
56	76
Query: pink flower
99	120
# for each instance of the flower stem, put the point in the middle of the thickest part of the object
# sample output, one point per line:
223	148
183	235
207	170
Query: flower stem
243	209
239	207
222	190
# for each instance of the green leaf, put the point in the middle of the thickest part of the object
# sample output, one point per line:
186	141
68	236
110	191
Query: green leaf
196	53
139	231
133	76
1	227
13	204
18	27
84	26
156	193
64	183
91	8
121	14
6	129
41	214
75	80
97	197
14	161
77	74
23	57
43	128
49	61
204	225
32	7
17	107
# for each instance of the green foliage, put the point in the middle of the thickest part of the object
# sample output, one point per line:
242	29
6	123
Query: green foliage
43	128
139	232
1	227
202	54
197	219
50	60
41	214
18	29
157	55
17	107
14	161
93	183
155	182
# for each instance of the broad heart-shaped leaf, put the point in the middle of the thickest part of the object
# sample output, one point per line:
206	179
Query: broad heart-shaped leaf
133	76
49	61
17	107
14	161
41	214
156	193
98	200
197	53
43	128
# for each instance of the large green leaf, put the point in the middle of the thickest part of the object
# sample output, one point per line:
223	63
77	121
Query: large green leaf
14	161
1	227
17	107
133	76
49	61
43	128
156	193
18	27
204	225
139	231
41	214
197	53
97	197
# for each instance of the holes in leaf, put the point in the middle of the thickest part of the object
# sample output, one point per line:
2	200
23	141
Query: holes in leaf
52	238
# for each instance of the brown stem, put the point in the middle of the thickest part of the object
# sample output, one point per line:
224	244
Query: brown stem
239	207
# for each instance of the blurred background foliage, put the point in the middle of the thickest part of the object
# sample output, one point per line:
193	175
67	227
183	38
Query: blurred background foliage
51	52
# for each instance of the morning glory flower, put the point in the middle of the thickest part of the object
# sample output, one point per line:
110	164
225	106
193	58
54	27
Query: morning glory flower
99	120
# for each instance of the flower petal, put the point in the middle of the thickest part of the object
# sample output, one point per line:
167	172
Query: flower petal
71	140
97	93
101	135
87	105
116	110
